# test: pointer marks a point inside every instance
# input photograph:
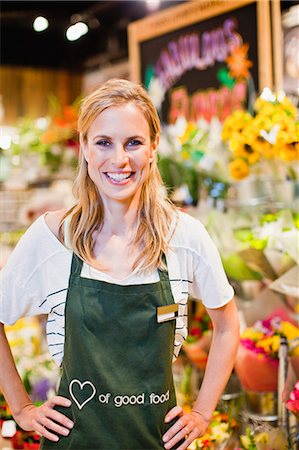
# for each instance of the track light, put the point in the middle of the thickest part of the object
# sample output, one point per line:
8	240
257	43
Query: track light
74	32
40	24
153	4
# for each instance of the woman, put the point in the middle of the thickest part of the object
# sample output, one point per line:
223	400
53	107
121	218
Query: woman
113	274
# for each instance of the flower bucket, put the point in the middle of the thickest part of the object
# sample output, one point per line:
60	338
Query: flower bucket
196	354
256	372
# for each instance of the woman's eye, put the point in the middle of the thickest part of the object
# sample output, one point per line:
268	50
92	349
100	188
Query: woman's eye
103	143
134	143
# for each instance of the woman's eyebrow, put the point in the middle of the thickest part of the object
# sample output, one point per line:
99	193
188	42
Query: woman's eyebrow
102	136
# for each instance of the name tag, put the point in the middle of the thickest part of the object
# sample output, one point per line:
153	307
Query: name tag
168	312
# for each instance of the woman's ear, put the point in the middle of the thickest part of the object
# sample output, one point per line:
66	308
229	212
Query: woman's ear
83	147
154	149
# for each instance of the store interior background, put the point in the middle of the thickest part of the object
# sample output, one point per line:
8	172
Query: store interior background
96	56
34	65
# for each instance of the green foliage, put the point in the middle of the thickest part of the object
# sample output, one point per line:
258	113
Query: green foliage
176	174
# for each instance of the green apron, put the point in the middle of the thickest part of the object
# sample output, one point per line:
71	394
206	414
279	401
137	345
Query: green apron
117	365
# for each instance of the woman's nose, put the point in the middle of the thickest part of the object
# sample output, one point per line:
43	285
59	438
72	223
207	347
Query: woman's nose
119	156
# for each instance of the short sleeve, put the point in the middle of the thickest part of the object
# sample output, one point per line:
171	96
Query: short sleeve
210	283
36	270
15	302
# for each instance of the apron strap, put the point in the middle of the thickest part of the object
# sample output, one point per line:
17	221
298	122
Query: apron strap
163	274
76	266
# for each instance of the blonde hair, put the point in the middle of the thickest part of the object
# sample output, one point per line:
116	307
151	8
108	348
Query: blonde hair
155	213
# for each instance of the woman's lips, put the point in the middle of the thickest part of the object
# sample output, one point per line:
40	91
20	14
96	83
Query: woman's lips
119	177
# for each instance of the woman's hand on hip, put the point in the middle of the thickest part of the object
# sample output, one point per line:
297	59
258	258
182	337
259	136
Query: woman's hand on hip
189	426
45	420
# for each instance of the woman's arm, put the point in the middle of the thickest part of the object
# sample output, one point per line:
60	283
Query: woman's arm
220	363
28	416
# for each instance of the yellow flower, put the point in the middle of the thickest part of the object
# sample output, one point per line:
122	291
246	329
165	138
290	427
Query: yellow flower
245	441
239	169
270	345
288	152
251	333
248	141
252	157
189	129
236	145
289	330
262	438
220	432
185	155
262	122
264	148
235	123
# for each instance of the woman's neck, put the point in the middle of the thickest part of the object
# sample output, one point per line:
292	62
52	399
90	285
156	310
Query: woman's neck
120	218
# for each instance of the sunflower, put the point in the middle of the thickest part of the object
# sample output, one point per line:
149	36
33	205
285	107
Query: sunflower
239	169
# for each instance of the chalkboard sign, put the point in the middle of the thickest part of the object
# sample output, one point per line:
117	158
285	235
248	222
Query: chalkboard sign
203	58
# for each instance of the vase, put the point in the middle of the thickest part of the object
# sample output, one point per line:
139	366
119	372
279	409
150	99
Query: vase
261	403
256	372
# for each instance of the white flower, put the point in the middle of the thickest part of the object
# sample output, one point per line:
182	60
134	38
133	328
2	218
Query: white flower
220	432
166	145
156	92
178	128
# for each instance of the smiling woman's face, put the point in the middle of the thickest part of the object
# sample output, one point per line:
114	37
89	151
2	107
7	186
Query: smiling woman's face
118	152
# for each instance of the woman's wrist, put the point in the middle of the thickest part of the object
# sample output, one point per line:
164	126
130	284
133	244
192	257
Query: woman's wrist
204	416
16	412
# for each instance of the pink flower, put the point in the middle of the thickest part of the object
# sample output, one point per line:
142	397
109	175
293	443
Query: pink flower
293	402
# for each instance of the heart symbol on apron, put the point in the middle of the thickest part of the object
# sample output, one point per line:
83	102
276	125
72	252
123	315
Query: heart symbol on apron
82	386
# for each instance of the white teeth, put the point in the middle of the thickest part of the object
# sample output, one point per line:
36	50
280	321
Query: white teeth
119	176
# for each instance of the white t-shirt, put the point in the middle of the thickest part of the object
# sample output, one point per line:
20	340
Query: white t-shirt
35	278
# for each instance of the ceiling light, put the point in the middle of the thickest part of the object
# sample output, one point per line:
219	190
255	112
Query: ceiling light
74	32
40	24
153	4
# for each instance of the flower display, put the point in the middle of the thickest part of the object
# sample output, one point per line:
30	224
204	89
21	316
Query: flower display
193	154
293	402
53	138
264	143
197	144
218	432
264	336
257	359
256	246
